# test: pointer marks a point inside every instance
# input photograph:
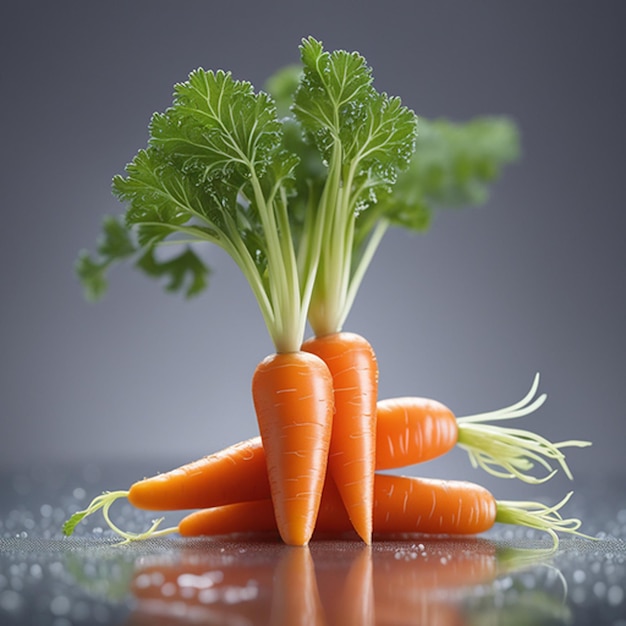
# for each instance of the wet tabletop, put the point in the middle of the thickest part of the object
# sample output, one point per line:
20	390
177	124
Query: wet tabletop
502	577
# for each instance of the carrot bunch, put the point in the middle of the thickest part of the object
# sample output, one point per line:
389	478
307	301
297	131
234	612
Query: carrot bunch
299	187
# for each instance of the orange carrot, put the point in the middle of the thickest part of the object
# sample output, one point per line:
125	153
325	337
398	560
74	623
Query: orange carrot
409	431
293	399
402	505
413	430
238	472
352	457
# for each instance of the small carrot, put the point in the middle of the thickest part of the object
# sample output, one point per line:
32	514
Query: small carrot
402	505
293	399
418	429
352	457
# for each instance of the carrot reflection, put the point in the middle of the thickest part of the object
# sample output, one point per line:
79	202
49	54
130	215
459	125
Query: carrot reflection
334	583
295	597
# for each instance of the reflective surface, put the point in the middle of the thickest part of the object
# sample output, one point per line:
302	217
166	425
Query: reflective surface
500	578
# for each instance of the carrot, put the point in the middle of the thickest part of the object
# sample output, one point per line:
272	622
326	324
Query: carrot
238	472
409	431
293	398
352	457
402	505
413	430
418	429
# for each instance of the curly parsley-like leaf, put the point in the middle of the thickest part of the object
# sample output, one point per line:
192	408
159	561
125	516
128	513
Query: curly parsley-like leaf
115	244
185	272
453	166
365	138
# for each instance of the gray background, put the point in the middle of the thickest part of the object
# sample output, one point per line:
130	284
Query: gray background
534	281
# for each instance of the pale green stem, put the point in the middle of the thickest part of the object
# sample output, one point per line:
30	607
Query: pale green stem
104	502
539	516
512	452
359	273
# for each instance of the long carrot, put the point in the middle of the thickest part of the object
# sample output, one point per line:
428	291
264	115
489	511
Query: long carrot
238	471
352	457
402	505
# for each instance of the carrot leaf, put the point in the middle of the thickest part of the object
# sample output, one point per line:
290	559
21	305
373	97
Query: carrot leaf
298	184
364	139
99	502
453	165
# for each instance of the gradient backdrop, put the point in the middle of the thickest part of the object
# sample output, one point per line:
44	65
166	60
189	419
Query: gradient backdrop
533	281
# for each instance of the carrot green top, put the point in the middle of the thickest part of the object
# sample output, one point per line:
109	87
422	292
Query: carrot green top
297	184
372	167
217	169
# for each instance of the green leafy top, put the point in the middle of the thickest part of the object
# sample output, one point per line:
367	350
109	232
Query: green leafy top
214	171
365	138
452	165
297	184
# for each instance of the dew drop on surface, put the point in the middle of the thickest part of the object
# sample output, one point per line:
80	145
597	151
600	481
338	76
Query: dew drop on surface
579	576
198	582
615	595
80	611
168	589
208	596
60	605
10	601
142	581
599	589
79	493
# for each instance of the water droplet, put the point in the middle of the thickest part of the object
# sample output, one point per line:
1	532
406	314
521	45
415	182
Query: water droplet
10	601
615	595
599	589
208	596
60	605
168	589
